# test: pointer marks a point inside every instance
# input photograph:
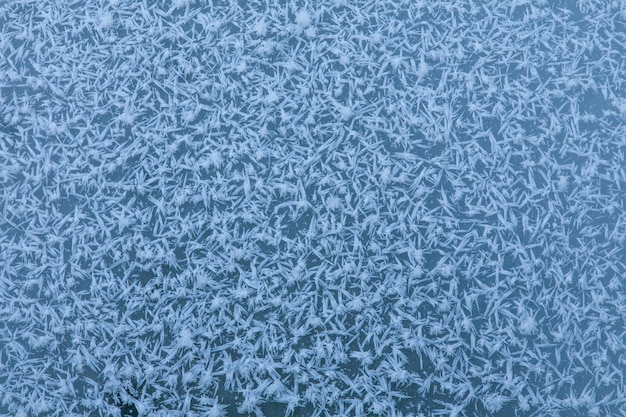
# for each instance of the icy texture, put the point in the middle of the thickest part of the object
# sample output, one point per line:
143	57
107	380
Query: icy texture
348	208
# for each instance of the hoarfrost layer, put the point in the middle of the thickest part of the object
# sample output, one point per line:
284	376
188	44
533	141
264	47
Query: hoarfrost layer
347	208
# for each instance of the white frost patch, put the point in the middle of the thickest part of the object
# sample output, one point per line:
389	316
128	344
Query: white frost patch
303	19
346	206
185	338
105	20
528	326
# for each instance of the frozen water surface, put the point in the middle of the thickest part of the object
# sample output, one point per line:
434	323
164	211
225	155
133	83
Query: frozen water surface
348	208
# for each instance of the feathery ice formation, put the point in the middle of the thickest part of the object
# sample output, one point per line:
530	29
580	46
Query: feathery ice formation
348	208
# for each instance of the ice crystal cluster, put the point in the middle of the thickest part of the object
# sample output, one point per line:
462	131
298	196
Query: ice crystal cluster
322	208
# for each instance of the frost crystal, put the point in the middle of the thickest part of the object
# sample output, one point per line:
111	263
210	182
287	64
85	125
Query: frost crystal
303	19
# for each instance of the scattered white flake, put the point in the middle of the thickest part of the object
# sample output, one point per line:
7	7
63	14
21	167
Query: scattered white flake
376	38
423	68
260	28
105	20
396	62
494	403
215	159
185	338
271	97
310	32
345	112
303	19
528	326
126	118
216	410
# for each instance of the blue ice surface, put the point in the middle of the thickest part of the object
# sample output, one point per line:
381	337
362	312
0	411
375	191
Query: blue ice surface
330	208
